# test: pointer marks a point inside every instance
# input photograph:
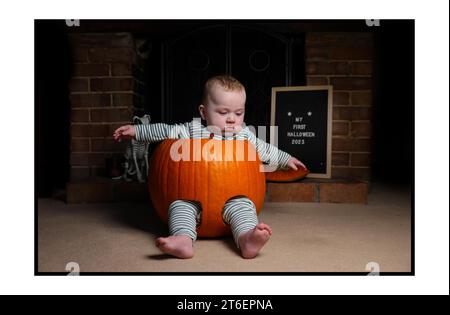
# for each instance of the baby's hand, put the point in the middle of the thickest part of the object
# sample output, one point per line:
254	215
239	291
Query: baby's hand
124	132
293	163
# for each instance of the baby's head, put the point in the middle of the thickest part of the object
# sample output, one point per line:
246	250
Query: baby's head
223	104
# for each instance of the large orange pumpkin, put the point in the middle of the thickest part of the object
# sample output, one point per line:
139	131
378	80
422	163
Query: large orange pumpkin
209	171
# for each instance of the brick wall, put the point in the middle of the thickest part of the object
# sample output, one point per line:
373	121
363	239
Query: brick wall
105	91
344	60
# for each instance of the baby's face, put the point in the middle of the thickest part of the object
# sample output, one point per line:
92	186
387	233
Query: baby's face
224	110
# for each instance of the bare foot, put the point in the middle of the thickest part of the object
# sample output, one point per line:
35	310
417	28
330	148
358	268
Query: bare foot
252	241
176	245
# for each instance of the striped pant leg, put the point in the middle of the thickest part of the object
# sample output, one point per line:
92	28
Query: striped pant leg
240	214
184	215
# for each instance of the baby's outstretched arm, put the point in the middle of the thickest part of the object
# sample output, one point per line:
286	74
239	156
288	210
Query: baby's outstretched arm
152	132
124	132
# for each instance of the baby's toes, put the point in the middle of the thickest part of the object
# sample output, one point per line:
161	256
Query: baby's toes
263	226
159	241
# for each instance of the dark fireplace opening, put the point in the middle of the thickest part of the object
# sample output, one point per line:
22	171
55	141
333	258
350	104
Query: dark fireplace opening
181	59
183	55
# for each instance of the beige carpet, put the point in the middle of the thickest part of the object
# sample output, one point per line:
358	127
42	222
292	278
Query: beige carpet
307	237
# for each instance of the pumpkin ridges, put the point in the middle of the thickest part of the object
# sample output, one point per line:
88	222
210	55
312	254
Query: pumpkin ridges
206	197
176	174
155	178
165	179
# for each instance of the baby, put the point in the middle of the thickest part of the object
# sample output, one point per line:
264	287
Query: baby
223	109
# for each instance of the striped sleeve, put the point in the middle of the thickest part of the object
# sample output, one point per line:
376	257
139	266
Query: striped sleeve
267	152
159	131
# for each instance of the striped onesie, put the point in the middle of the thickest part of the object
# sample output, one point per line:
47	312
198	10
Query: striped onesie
239	212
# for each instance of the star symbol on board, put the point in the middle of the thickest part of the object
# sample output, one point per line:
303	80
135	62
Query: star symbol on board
289	114
309	113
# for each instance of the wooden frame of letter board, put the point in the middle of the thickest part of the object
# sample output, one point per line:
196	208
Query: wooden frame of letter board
329	118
